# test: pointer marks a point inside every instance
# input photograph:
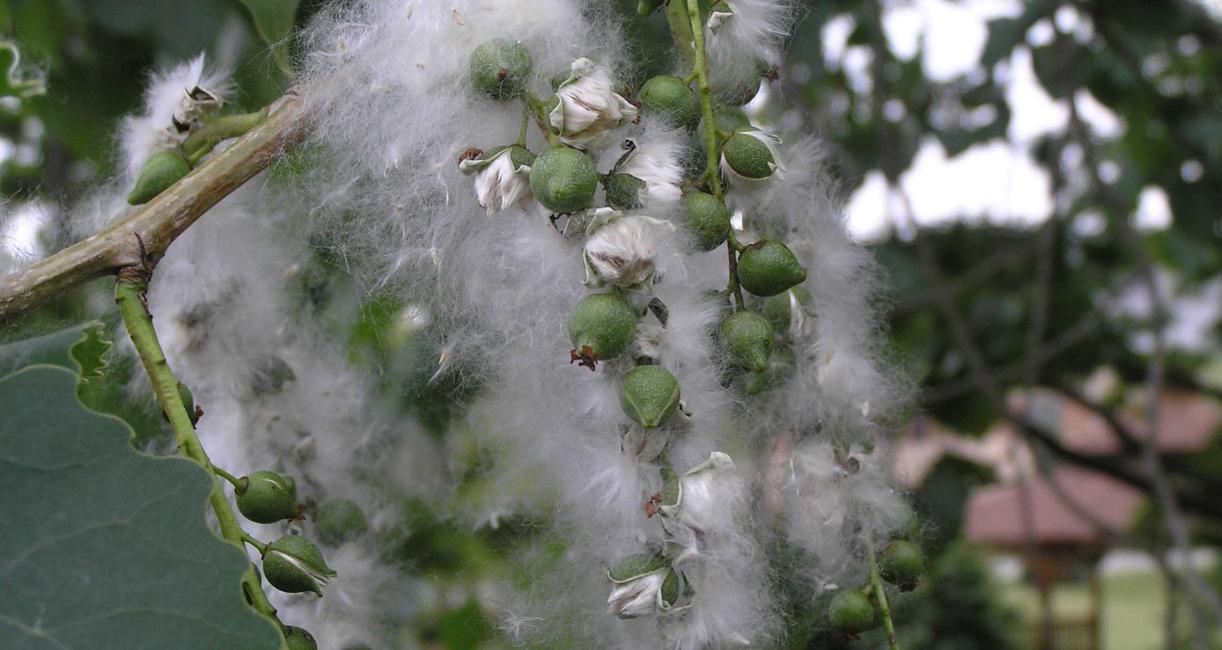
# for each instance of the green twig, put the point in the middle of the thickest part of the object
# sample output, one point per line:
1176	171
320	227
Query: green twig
204	139
525	125
130	295
700	73
250	539
537	107
160	221
236	482
701	70
880	597
732	286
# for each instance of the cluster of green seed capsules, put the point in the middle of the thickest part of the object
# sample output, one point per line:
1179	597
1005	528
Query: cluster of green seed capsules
854	611
603	325
292	563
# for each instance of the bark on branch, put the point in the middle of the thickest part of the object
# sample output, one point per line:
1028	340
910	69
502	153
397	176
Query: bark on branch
158	223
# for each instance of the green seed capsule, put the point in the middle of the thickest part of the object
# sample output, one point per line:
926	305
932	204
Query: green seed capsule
780	369
748	156
266	497
294	565
768	267
730	119
733	86
708	219
564	180
647	7
747	337
669	97
851	612
601	327
339	521
901	564
623	191
739	91
296	638
650	394
780	309
160	171
501	69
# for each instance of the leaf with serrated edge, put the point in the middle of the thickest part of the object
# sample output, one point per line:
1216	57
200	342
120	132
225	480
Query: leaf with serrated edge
104	547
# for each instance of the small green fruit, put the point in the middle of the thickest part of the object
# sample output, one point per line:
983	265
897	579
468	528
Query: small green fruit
160	171
780	369
293	564
501	69
708	219
339	521
779	309
266	497
739	91
901	564
601	327
296	638
650	394
748	156
747	337
733	85
623	191
730	119
768	267
851	612
564	180
647	7
669	97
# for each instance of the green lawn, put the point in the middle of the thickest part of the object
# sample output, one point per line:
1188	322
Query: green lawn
1132	607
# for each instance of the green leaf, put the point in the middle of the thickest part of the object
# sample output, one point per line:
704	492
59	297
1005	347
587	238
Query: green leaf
1007	33
274	19
87	350
90	351
101	544
54	349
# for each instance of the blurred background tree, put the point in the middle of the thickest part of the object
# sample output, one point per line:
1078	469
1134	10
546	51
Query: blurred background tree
1041	179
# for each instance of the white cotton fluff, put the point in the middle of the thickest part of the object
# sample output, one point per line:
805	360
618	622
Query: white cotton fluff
747	41
166	98
656	159
385	200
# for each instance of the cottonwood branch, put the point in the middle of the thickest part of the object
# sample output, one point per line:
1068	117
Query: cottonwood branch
147	232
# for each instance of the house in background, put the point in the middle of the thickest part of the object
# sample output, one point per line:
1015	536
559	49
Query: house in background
1058	519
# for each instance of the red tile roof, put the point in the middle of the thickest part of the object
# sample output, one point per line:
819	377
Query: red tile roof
995	514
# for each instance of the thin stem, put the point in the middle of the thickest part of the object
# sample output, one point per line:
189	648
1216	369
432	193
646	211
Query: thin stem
732	286
880	596
250	539
700	73
539	109
237	483
130	295
525	126
212	133
701	70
